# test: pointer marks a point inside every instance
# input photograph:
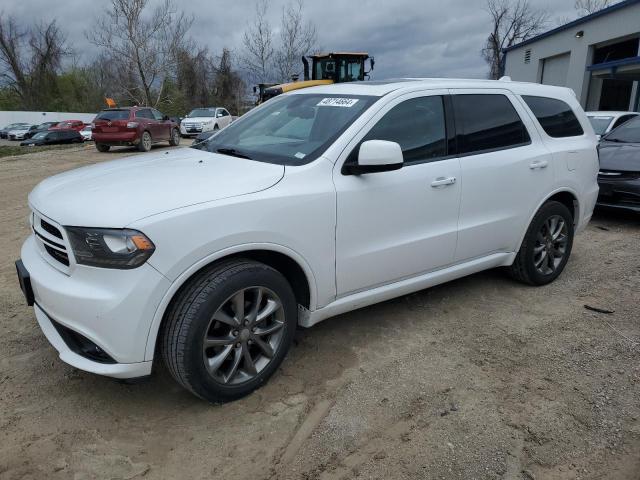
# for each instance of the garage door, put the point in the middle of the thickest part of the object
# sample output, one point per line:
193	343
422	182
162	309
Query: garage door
554	70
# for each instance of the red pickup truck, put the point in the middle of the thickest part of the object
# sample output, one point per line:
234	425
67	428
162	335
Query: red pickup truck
139	126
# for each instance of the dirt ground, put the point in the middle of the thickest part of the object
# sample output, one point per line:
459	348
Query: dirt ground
477	378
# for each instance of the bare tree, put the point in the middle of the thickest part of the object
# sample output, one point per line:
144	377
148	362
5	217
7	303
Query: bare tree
513	22
297	38
257	40
30	59
142	45
587	7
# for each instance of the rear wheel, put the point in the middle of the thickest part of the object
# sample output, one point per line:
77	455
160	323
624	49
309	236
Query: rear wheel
229	329
546	246
101	147
174	141
145	142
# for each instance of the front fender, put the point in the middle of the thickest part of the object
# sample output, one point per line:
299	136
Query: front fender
197	266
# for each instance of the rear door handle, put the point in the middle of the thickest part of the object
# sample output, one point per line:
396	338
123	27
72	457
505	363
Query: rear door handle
538	164
443	181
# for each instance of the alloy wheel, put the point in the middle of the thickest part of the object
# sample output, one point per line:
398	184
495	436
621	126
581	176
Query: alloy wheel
243	335
551	245
146	140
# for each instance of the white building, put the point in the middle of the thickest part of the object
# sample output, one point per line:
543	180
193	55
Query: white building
598	56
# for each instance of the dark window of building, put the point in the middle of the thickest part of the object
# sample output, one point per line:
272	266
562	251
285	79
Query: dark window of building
616	51
487	122
417	125
555	116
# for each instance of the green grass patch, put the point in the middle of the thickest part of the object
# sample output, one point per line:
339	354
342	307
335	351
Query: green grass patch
10	150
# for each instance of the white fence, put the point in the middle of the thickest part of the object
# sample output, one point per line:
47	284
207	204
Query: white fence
7	117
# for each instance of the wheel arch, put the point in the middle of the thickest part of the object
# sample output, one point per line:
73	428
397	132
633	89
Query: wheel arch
286	261
567	197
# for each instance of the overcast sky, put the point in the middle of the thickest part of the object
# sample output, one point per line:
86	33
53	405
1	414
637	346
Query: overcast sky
422	38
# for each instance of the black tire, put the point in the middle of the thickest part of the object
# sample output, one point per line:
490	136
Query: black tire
189	318
101	147
524	267
174	140
144	145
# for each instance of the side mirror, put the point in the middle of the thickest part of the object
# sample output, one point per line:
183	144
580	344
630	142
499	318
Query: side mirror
377	156
219	114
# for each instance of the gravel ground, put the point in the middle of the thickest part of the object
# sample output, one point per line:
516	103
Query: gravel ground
477	378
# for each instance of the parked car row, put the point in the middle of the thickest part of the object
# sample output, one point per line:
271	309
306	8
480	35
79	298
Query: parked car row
42	133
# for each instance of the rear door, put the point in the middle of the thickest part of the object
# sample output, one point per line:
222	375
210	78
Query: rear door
505	171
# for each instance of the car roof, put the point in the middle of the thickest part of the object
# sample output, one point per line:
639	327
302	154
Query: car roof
380	88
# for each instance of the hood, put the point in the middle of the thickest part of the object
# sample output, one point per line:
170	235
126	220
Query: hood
115	194
620	156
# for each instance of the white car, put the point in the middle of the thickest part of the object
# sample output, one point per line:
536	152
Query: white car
206	119
86	133
315	203
605	121
20	132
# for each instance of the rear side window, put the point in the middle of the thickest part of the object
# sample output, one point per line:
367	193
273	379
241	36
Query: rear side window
555	116
418	125
145	113
487	122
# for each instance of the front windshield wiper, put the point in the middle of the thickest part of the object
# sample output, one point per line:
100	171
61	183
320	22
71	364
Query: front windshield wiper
617	140
233	153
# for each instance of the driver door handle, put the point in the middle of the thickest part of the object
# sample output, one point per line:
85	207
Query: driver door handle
443	181
538	164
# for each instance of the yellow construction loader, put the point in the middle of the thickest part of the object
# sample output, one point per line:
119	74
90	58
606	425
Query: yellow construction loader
326	68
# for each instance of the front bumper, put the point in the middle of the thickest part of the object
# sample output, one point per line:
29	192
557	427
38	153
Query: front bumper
620	194
111	308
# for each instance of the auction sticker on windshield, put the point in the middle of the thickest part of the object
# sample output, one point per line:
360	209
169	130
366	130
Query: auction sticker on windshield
337	102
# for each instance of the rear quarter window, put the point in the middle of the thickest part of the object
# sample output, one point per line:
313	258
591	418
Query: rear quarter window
555	116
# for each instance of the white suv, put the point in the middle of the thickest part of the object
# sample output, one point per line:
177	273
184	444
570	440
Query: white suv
207	119
316	203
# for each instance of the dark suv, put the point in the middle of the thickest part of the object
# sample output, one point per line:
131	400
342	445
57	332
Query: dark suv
139	126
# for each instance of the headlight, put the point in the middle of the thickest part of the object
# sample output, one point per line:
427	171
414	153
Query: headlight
110	248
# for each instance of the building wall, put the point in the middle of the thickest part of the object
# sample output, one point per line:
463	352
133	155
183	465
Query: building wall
614	25
7	117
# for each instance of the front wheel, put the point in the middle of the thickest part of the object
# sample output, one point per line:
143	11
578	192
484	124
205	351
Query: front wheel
145	142
101	147
546	246
229	329
174	140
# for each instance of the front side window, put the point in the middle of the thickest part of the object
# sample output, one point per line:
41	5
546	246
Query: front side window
156	114
418	125
289	129
623	119
487	122
555	116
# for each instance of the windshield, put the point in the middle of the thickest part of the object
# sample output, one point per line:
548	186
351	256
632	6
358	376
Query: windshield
202	112
15	125
45	125
600	123
289	129
40	135
628	132
113	115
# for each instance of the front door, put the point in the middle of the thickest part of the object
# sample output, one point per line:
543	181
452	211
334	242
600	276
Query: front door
398	224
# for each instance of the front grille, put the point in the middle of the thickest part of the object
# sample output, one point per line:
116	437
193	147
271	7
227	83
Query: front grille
52	242
47	227
62	257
